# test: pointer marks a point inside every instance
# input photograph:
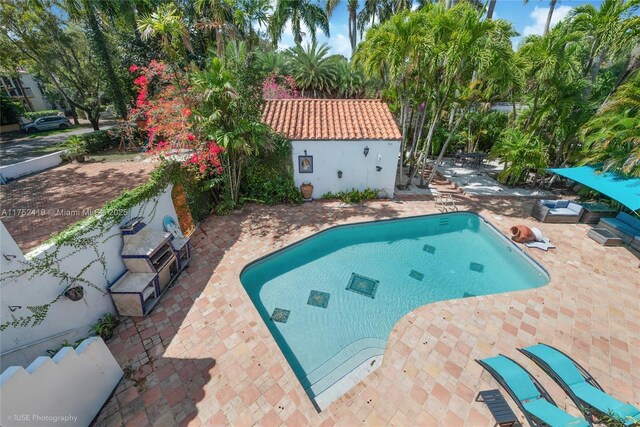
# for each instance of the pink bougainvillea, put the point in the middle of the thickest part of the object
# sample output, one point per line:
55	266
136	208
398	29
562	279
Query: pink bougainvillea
165	100
276	86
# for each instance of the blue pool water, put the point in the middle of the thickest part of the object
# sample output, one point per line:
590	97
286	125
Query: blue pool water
331	300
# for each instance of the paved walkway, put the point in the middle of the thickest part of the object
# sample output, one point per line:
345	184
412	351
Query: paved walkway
479	182
205	357
19	147
36	207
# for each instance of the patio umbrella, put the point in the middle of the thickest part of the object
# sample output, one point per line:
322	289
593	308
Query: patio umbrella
624	190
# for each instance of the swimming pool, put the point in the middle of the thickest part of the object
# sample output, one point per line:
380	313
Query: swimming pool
331	300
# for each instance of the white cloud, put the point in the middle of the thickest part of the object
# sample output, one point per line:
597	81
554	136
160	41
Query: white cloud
539	15
340	44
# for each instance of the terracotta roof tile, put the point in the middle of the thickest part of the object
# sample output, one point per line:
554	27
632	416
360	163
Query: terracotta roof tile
331	119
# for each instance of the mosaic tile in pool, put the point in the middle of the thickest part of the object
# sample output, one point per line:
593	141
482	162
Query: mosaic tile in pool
375	273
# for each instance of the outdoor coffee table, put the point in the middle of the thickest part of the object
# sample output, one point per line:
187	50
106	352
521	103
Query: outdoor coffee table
604	237
594	211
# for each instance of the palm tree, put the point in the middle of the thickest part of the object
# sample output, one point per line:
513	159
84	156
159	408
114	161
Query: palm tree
313	69
549	59
612	136
270	62
351	80
490	8
379	11
299	12
609	29
216	14
521	153
250	13
352	9
167	24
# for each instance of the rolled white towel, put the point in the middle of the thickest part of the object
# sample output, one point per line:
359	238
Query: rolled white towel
538	234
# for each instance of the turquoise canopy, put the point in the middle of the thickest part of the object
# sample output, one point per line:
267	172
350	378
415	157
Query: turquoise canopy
623	190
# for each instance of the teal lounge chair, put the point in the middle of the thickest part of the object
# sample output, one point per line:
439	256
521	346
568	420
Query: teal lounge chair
581	387
532	399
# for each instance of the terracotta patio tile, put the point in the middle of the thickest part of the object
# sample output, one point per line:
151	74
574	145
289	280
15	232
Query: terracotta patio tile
216	346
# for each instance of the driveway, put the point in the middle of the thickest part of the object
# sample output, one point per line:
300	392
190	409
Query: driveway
19	147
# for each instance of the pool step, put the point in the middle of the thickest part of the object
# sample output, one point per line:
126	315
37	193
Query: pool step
343	362
444	223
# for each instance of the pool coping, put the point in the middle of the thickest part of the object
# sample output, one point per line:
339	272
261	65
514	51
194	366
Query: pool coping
491	226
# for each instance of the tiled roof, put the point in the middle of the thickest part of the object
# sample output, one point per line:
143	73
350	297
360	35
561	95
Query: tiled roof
331	119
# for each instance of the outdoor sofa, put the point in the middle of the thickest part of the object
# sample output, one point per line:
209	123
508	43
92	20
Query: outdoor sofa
557	211
625	226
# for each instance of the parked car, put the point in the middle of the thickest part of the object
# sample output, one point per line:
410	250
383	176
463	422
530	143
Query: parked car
48	123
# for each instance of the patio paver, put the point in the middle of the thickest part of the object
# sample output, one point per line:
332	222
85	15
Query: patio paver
36	207
205	357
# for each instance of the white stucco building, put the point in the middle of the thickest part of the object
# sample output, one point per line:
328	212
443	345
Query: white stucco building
339	144
26	89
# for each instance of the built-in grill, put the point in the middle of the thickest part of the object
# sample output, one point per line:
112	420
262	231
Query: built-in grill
152	264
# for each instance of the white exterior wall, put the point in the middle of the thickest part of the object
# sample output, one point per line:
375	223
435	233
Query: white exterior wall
30	166
358	171
36	97
66	319
68	389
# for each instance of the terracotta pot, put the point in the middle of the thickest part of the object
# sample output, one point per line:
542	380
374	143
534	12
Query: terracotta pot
522	234
142	123
306	189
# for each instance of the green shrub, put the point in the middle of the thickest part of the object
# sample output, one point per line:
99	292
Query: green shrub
75	147
268	178
268	184
94	142
354	196
99	140
32	115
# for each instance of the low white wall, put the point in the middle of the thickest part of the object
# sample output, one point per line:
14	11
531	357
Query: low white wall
66	320
67	390
358	171
30	166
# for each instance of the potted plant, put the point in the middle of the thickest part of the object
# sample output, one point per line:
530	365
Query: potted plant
105	326
141	121
307	190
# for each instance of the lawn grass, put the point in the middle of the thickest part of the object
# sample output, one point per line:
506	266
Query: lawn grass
56	131
48	149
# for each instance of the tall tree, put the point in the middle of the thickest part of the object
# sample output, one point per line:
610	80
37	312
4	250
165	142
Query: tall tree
56	52
609	28
490	8
216	14
612	136
85	11
352	10
251	13
299	13
167	24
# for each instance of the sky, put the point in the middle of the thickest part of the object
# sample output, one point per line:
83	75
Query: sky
527	19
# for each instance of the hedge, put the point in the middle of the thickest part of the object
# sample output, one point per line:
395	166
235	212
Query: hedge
32	115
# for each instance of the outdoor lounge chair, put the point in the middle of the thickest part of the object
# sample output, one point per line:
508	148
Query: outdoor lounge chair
557	211
623	225
581	387
532	399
